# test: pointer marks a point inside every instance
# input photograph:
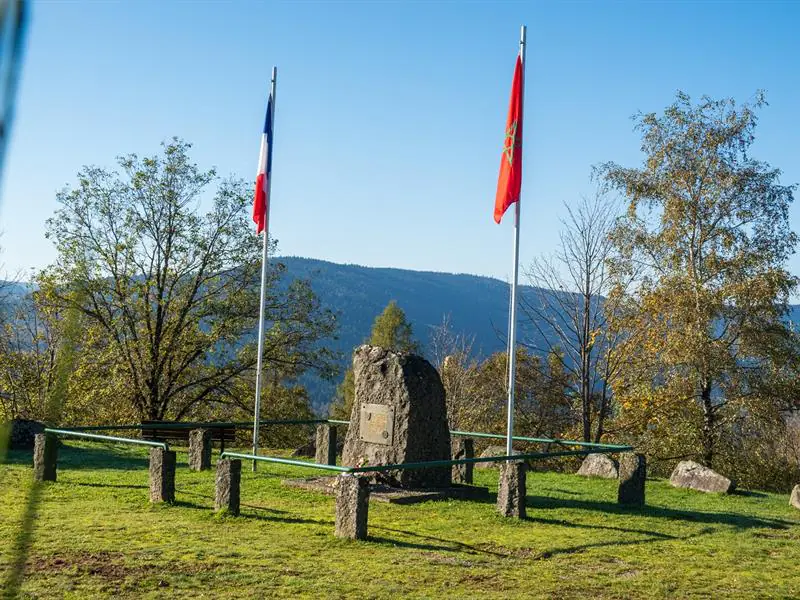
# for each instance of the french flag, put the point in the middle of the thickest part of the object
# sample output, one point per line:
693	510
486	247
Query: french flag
261	200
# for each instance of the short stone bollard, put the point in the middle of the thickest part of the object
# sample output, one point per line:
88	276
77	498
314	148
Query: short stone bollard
352	506
45	457
162	475
200	449
794	497
229	480
463	448
325	453
511	491
632	476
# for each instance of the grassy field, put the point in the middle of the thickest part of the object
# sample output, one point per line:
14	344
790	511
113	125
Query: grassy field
94	534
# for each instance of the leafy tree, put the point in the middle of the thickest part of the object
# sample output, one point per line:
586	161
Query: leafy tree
707	236
27	360
42	364
542	404
390	330
172	293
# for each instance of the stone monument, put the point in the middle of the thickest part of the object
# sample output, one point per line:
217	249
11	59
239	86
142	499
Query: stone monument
398	416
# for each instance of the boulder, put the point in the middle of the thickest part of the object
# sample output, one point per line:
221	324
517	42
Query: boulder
692	475
399	415
599	465
22	434
794	499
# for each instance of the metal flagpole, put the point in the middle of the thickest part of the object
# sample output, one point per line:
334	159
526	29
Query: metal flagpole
264	263
512	334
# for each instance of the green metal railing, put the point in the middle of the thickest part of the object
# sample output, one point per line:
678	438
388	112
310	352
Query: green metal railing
286	461
197	425
426	464
466	461
244	424
519	438
106	438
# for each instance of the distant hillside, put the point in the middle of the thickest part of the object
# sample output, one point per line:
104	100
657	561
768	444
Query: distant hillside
477	306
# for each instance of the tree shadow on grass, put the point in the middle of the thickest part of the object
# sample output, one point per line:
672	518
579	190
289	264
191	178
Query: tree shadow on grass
96	457
452	545
716	518
211	500
288	520
109	485
447	545
749	493
20	546
412	545
619	543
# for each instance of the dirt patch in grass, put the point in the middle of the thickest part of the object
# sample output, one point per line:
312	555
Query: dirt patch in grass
111	566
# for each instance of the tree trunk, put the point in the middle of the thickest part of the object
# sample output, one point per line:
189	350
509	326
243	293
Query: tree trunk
601	415
709	423
586	353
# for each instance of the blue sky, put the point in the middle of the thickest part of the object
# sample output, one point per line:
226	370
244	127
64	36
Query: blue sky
390	115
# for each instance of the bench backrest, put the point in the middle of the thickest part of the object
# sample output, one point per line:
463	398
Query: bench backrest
166	430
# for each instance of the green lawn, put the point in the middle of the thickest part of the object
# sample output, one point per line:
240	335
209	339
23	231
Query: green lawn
94	534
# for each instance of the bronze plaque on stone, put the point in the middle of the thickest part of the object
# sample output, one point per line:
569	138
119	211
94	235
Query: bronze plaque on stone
376	424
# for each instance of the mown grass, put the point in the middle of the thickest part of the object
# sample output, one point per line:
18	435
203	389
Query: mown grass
94	534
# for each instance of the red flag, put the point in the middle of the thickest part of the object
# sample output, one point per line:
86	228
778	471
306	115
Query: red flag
261	196
510	180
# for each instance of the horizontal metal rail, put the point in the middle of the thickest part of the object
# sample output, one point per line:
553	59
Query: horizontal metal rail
518	438
465	461
190	425
431	464
106	438
249	424
286	461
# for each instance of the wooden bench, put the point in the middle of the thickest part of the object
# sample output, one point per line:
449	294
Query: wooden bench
177	430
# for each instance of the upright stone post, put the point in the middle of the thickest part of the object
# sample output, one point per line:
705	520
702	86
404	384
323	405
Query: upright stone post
325	453
511	491
45	457
162	475
463	448
352	506
229	480
200	449
632	475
